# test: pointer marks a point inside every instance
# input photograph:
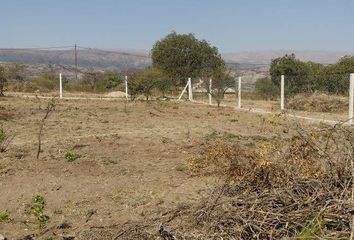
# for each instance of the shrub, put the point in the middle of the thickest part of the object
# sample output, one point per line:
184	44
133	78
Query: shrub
36	208
266	89
3	81
70	156
4	216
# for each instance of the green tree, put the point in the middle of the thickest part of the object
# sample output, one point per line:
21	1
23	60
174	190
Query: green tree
335	78
296	72
182	55
48	80
146	81
222	80
3	81
102	82
266	89
16	71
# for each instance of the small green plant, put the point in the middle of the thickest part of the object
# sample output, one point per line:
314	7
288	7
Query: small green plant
70	156
4	216
165	140
36	208
2	135
310	231
181	168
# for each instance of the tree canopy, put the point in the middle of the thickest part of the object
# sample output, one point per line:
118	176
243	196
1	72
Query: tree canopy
3	80
309	76
181	56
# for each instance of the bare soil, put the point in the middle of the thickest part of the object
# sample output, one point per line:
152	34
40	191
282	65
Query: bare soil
132	165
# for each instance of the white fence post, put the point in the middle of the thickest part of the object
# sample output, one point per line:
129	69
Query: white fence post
239	92
282	93
190	93
126	86
60	86
210	82
351	98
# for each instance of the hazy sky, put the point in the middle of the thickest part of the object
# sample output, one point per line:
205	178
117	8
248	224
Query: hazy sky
231	25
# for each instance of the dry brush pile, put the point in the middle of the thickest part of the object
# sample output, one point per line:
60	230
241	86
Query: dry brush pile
319	102
293	187
300	187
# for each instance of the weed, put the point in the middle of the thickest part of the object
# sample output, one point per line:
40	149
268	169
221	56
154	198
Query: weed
165	140
310	231
70	156
2	135
58	211
36	208
4	216
181	168
5	140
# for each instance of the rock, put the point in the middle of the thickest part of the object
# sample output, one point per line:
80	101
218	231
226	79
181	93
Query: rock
2	237
68	238
64	225
29	237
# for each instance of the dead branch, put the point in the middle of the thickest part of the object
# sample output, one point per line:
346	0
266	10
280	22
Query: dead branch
49	109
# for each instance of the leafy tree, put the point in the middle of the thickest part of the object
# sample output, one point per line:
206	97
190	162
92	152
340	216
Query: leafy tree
266	89
146	81
296	73
16	71
309	76
222	80
102	81
3	81
182	55
335	77
48	80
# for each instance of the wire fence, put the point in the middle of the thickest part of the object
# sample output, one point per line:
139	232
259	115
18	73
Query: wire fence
322	95
329	98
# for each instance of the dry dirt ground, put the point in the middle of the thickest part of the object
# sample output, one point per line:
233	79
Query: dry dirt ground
133	164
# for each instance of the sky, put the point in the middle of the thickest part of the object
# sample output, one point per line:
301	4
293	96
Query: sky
230	25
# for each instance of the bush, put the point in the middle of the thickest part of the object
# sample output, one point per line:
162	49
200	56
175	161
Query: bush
36	208
266	89
70	156
100	82
3	80
148	81
4	216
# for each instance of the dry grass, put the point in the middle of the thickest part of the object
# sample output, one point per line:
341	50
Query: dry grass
319	102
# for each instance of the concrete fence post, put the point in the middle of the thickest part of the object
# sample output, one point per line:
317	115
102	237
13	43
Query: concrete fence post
210	82
351	98
239	92
190	93
60	86
126	86
282	93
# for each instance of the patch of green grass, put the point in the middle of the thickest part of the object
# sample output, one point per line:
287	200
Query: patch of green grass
2	135
181	168
165	140
311	230
70	156
36	208
4	216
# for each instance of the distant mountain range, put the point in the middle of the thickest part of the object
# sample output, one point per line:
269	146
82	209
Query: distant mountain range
128	59
95	58
265	57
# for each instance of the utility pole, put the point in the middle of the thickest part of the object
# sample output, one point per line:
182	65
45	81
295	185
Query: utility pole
75	53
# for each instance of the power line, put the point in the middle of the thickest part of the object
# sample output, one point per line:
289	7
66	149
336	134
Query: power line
37	48
117	52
